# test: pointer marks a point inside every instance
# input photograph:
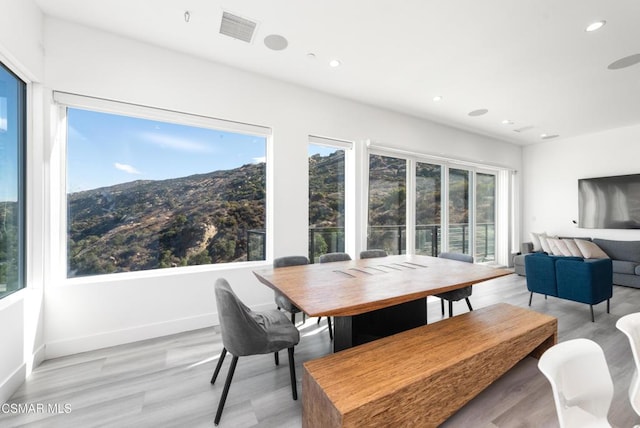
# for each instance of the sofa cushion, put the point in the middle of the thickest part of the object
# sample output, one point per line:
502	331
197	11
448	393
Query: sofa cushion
620	250
573	248
535	240
590	250
544	242
620	266
559	247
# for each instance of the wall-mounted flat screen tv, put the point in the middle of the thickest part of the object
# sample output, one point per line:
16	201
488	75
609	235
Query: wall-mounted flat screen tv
609	202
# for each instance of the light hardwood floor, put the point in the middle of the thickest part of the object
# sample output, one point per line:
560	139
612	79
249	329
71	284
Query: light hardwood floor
164	382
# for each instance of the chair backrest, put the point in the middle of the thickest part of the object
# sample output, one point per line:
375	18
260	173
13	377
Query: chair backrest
242	333
371	254
630	326
334	257
290	261
456	256
579	376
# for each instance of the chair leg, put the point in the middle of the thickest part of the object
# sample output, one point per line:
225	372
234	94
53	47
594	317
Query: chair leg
319	318
545	297
330	328
450	308
593	319
292	372
220	360
530	297
608	306
225	391
468	303
277	358
293	318
442	307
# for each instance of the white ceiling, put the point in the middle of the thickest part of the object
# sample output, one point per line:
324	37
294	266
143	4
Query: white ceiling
528	61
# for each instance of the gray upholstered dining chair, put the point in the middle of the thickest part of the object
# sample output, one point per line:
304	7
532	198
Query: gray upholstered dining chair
246	332
459	294
328	258
370	254
282	302
334	257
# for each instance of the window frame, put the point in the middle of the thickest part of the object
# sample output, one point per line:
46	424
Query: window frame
24	138
64	100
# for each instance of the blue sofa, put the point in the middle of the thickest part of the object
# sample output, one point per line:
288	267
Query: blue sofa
571	278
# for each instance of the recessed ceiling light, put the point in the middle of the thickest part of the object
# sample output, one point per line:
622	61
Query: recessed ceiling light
478	112
276	42
334	63
311	55
507	122
437	98
595	26
548	136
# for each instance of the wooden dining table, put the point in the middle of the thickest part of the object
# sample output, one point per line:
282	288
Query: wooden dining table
373	298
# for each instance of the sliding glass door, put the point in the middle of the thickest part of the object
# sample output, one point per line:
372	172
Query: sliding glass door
485	224
428	239
459	206
387	204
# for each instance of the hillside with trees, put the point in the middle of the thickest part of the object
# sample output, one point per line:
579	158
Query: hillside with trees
191	220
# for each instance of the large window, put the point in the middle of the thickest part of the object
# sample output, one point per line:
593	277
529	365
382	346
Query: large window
147	194
426	205
12	181
326	199
387	204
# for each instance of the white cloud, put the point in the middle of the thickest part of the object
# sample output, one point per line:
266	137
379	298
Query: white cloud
261	159
126	168
74	134
183	144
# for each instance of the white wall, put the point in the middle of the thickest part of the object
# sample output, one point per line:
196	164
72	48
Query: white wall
87	314
21	317
551	173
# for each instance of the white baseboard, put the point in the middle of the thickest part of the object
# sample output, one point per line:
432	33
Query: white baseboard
92	342
12	383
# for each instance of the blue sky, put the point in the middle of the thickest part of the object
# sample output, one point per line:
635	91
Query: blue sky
8	137
107	149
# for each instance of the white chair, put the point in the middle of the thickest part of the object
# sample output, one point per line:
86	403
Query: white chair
581	382
630	326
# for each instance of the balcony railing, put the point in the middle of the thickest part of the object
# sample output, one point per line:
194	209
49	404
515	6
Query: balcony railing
391	238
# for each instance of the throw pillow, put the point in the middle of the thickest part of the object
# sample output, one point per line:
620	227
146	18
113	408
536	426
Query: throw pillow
535	240
544	242
590	250
573	248
559	247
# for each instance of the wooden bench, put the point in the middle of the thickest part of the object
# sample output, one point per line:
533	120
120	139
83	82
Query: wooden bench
422	376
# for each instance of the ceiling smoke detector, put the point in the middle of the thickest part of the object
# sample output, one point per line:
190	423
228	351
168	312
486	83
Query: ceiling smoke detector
237	27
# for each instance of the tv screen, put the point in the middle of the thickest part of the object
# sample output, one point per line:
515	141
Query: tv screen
609	202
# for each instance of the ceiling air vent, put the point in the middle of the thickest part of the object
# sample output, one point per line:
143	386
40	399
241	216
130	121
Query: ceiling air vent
237	27
523	129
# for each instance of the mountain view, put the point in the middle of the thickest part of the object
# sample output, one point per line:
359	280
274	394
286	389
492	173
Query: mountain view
207	218
141	225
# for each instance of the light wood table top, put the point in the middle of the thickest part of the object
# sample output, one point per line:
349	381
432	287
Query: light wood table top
358	286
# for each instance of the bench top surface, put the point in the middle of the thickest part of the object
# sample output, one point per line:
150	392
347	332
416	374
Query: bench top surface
364	373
